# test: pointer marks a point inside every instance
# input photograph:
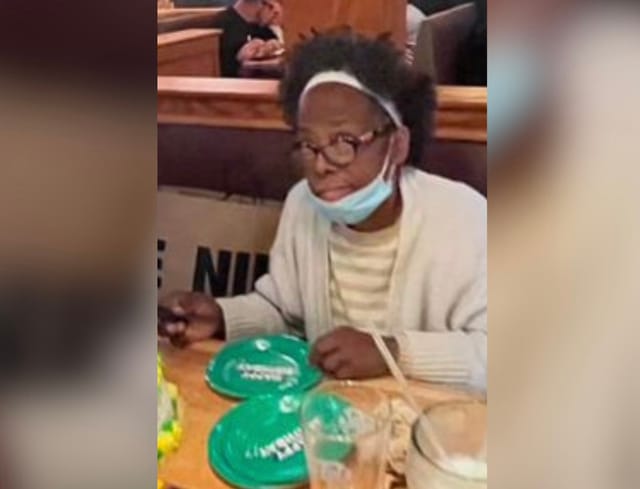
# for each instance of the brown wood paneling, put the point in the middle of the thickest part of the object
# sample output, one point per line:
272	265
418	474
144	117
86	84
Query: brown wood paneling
371	17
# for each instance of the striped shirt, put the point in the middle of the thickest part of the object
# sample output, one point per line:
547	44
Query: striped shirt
361	265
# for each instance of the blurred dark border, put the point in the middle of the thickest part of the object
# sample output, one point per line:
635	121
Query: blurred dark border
106	50
110	43
88	70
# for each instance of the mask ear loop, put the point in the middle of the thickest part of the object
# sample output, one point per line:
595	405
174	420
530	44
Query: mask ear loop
389	170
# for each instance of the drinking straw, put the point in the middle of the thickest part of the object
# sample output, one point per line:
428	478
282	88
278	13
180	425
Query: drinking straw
401	379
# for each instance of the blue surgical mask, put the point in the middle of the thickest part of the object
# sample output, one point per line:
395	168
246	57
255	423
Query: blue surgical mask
514	72
358	206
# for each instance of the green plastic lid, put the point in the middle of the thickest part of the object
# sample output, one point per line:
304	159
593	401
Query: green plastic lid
259	444
262	365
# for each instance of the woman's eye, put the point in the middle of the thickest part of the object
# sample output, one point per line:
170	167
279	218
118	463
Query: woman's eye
346	138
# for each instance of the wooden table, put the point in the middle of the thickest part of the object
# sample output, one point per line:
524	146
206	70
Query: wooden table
188	468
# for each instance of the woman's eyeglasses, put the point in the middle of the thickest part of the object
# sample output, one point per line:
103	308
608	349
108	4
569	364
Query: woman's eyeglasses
342	150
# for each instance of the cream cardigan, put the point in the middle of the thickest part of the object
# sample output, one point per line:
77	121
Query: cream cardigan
437	300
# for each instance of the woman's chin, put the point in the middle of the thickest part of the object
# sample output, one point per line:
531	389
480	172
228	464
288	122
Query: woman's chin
334	195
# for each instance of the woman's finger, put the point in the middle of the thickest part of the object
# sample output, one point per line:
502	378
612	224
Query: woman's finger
315	358
345	372
326	344
333	362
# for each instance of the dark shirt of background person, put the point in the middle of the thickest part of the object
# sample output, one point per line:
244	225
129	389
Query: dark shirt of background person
236	32
472	58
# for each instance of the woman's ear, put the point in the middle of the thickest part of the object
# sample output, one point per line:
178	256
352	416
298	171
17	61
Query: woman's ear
400	146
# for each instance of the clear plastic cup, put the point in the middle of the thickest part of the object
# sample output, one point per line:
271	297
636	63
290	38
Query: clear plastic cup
346	428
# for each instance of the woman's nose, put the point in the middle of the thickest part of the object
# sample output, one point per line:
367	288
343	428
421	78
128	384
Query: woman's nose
322	166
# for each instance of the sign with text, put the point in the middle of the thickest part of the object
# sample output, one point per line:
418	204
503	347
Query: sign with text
210	244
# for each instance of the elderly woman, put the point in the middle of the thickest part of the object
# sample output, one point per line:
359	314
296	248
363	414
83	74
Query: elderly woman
366	241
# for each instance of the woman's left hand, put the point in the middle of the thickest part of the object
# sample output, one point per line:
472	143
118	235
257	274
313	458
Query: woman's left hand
346	353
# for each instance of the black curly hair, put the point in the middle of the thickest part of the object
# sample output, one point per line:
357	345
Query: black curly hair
378	65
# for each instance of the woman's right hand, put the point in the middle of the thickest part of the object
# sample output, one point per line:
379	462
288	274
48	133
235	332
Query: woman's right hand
198	317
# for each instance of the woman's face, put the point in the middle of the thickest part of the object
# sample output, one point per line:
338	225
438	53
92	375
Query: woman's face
332	111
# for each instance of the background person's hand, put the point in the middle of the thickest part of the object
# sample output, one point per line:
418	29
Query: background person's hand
198	317
251	50
346	353
270	48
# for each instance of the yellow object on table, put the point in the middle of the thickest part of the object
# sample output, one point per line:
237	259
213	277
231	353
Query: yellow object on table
169	429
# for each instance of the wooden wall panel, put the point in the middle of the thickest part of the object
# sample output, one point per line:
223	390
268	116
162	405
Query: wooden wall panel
371	17
253	104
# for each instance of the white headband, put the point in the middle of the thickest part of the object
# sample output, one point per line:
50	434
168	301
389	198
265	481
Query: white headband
349	80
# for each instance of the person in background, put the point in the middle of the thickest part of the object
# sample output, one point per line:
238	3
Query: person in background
276	22
367	241
472	58
246	34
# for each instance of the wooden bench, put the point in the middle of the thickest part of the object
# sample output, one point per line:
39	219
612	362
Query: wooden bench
176	19
167	13
191	52
228	135
440	39
243	103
